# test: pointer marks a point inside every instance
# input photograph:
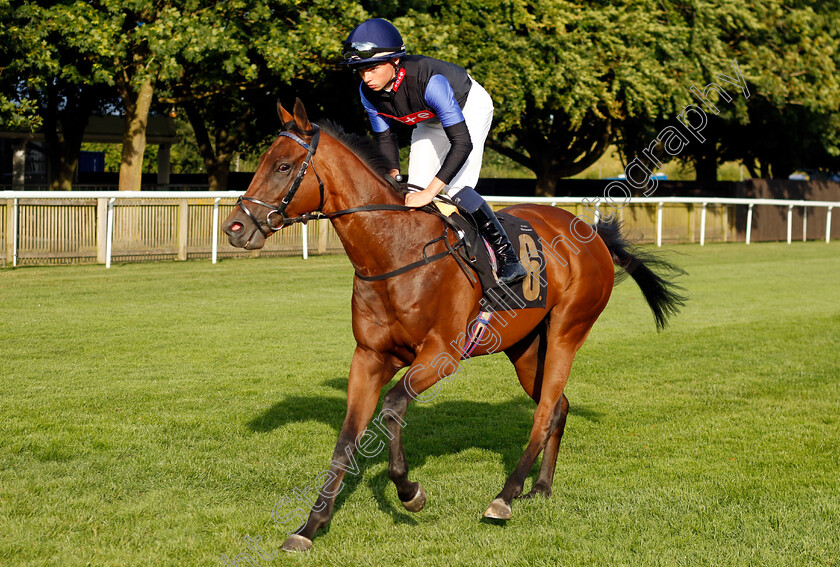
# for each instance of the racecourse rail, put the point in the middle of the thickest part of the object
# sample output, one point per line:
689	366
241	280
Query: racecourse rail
100	226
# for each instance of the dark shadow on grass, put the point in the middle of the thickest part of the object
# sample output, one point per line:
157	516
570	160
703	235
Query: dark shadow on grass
589	414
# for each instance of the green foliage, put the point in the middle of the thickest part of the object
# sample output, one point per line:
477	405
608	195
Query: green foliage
229	80
791	58
562	75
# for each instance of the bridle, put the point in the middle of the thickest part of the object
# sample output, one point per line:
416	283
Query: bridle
281	208
285	221
306	217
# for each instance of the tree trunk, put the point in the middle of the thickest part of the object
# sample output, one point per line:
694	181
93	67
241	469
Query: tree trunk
546	185
751	168
765	169
64	129
216	159
134	135
61	178
218	177
705	166
72	133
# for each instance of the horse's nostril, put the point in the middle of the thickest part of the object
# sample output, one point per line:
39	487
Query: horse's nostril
236	227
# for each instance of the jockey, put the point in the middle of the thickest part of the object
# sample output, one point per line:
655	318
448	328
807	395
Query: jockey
451	114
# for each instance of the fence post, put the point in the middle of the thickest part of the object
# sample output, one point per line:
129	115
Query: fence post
109	232
804	223
11	232
703	225
790	224
215	245
323	227
749	221
101	229
828	225
183	228
659	224
304	230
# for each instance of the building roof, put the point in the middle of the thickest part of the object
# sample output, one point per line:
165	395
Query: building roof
109	130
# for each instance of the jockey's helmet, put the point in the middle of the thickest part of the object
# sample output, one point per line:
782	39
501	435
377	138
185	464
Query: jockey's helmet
372	42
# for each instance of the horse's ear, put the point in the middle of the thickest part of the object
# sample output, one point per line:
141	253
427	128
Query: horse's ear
301	120
285	116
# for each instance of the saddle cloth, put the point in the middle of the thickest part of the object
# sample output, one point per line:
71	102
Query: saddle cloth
479	256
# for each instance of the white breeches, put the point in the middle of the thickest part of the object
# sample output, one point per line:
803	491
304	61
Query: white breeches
429	144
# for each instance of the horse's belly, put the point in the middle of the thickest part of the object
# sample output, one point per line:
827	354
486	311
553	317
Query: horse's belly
506	328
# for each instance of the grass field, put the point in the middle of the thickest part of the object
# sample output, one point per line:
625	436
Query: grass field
152	414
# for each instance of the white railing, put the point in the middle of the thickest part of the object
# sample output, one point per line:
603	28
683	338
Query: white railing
704	201
107	200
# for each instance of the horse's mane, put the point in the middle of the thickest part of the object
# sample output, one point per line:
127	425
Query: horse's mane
364	147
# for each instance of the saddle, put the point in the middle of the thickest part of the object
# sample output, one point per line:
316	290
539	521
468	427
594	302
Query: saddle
477	255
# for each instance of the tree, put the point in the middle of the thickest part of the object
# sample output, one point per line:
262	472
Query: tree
66	87
790	53
228	85
787	53
127	46
46	86
567	79
20	51
563	76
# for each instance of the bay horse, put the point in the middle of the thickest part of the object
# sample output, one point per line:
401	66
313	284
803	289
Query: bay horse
417	317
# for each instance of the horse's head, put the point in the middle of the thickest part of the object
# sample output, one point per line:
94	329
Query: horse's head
280	188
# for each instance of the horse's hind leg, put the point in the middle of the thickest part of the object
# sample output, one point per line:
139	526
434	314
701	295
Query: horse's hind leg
549	459
528	357
561	346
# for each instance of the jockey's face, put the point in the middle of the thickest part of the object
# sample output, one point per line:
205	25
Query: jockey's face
379	76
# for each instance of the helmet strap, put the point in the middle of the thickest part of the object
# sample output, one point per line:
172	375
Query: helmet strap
395	63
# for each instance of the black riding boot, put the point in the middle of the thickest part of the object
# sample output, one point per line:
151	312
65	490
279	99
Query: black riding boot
510	270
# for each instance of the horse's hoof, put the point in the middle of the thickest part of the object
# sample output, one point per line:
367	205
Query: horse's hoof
418	502
498	510
297	543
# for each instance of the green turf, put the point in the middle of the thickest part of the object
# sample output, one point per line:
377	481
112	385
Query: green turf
152	414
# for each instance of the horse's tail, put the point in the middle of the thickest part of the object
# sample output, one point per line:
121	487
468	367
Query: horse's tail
654	275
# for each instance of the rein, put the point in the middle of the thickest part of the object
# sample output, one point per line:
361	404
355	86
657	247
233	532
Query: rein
318	214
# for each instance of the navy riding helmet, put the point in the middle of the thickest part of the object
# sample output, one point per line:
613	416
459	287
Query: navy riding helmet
372	42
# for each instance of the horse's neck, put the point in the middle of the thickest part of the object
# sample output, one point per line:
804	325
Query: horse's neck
375	241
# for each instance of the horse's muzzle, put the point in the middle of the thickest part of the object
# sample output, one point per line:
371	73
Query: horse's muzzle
242	233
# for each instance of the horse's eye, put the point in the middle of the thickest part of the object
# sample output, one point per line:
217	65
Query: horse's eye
284	167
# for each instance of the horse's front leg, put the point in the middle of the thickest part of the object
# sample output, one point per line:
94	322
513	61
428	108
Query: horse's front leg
369	372
436	362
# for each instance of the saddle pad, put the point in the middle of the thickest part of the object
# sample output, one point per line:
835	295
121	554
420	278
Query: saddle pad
524	294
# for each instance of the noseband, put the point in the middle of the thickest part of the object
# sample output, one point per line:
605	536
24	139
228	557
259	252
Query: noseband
281	209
